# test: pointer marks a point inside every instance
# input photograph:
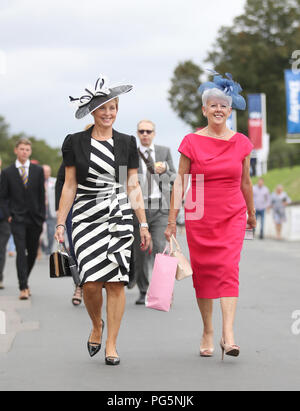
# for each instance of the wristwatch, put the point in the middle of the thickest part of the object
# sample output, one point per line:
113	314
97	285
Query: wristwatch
144	225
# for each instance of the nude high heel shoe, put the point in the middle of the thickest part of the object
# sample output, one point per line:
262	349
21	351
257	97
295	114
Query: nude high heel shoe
206	352
232	350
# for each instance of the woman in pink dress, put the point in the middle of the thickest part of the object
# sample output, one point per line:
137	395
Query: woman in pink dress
219	204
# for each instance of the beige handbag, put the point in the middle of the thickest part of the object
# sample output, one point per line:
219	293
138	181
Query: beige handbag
184	268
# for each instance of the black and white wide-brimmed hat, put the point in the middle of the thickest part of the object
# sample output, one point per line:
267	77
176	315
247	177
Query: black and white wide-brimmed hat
94	99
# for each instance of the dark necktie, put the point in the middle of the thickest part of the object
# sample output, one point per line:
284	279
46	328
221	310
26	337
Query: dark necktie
151	163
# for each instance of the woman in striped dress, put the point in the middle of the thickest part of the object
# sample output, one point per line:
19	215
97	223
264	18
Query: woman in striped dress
102	222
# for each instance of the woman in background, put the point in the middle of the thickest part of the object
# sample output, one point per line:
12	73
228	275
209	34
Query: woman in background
279	201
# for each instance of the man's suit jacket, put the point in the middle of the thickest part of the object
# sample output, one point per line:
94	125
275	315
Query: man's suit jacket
165	180
16	201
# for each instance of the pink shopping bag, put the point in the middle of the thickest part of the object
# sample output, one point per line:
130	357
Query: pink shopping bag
160	292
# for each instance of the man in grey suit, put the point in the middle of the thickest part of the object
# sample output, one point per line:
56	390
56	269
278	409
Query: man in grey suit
156	176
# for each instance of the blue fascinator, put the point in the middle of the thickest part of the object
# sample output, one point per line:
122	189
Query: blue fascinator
228	86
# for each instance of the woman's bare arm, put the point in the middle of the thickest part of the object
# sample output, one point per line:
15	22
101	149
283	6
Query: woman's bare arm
178	192
66	201
135	195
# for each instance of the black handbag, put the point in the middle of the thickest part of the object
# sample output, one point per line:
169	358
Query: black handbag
62	264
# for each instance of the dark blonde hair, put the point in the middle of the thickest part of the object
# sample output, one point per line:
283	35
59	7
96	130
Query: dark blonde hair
24	141
117	102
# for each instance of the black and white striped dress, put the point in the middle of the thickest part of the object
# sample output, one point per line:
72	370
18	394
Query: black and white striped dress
102	223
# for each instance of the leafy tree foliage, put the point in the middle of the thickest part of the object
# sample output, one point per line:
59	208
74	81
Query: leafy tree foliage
183	95
4	141
41	152
256	50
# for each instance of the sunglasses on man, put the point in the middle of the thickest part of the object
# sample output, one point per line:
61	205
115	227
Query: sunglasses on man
145	131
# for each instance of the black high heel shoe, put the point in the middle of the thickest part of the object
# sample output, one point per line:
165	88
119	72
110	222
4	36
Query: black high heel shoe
110	360
94	348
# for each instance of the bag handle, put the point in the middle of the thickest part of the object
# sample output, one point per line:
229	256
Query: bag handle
166	248
62	247
176	243
72	264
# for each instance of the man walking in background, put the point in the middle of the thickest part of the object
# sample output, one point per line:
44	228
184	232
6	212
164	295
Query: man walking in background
156	175
22	199
50	209
261	196
4	237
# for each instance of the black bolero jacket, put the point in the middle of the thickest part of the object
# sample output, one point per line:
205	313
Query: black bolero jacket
76	152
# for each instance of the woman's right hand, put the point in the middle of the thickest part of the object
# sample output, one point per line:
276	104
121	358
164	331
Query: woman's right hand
60	234
170	230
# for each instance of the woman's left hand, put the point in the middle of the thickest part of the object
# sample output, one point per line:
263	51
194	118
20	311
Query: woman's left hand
170	230
145	238
251	221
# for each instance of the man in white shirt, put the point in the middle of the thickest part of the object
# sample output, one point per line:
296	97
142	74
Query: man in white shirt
261	196
156	176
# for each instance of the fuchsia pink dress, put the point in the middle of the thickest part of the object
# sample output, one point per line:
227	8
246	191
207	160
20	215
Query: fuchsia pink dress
216	224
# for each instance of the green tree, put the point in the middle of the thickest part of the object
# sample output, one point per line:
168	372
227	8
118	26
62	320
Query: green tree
41	152
4	139
256	49
183	95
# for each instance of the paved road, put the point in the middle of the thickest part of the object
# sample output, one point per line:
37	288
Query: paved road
159	351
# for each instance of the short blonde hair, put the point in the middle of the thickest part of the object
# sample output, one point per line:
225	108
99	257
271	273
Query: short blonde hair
24	141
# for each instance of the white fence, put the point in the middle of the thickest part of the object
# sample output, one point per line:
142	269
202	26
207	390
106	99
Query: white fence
290	229
2	323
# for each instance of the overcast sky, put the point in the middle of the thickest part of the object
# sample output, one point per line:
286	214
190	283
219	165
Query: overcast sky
51	49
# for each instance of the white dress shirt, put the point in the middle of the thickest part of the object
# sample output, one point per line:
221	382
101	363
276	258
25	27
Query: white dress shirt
261	196
26	165
156	194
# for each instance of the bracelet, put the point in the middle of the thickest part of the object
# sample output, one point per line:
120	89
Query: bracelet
61	225
251	212
171	222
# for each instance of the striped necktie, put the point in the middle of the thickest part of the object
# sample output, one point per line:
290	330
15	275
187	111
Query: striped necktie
24	176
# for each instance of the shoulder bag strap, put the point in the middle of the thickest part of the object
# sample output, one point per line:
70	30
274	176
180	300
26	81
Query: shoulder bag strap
147	162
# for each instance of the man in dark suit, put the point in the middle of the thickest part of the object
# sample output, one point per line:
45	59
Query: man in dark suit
4	237
22	200
156	176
